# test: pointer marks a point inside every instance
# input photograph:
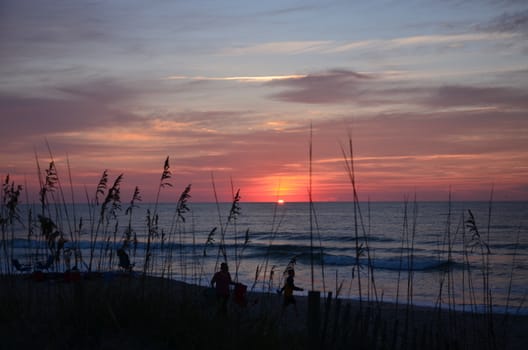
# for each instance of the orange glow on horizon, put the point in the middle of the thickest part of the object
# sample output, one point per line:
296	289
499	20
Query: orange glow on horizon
275	188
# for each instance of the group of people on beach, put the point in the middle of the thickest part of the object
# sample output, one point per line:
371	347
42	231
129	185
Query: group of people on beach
222	281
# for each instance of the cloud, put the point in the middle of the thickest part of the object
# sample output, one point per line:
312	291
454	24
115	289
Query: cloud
447	96
333	86
74	110
449	133
282	47
348	87
417	152
333	47
415	41
30	116
516	22
50	29
446	39
242	79
103	91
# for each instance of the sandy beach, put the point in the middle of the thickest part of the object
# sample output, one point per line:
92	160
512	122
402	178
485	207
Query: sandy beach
103	311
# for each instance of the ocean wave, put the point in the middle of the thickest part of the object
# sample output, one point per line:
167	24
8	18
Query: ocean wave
337	256
394	263
419	264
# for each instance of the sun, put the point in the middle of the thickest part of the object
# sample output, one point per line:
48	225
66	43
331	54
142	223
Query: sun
280	201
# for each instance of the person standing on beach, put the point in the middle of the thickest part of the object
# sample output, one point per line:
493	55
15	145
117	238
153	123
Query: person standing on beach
288	288
221	281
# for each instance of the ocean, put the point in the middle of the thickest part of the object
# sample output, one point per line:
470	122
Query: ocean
463	255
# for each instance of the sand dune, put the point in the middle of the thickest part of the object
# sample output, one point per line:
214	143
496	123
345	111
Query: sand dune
122	310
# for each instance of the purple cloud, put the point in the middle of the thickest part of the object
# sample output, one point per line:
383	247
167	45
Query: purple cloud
447	96
516	22
98	105
333	86
342	86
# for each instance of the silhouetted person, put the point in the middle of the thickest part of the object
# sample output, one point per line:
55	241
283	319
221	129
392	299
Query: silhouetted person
288	288
124	260
221	281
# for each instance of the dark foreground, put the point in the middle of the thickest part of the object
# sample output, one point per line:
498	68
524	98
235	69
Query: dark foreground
121	311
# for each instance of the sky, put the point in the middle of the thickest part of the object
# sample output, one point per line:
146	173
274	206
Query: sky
431	95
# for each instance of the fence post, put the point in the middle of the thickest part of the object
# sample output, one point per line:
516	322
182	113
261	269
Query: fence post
314	318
